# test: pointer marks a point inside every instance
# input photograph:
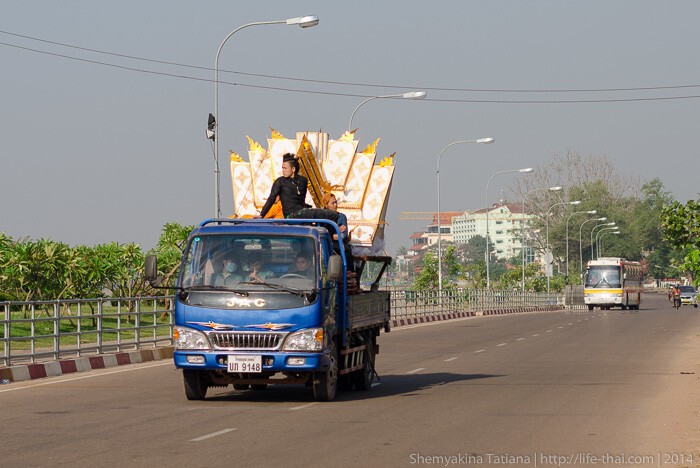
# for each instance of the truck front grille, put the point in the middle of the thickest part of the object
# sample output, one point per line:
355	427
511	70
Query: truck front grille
243	340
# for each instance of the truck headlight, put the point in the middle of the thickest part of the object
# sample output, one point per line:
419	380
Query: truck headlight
305	340
187	338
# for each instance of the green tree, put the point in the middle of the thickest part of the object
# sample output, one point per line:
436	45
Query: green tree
169	249
681	228
428	277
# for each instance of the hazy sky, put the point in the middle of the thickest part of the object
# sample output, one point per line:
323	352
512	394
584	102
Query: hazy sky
91	153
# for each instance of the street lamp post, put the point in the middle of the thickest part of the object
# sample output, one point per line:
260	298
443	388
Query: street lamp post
593	230
580	240
598	236
599	241
525	170
522	226
411	95
567	237
213	133
439	214
575	202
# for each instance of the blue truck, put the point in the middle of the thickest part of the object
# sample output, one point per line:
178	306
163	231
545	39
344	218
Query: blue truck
246	314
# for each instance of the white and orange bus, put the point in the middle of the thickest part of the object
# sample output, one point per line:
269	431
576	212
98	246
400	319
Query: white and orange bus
613	282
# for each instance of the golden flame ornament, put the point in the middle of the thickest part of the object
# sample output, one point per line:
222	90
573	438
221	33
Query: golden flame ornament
388	161
371	149
277	135
235	157
254	146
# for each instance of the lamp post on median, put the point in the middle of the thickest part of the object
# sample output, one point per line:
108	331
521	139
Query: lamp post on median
547	250
525	170
213	131
593	230
411	95
439	214
522	226
598	235
567	237
580	241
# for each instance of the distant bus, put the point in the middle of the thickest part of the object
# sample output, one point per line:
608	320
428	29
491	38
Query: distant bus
613	282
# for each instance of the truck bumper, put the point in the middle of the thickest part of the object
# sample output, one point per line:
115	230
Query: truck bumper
271	361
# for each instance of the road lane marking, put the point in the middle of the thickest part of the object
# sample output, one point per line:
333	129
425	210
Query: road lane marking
80	377
520	339
213	434
450	359
536	334
295	408
415	370
560	328
549	331
569	323
502	344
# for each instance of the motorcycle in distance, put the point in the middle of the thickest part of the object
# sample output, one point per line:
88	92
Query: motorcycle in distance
676	297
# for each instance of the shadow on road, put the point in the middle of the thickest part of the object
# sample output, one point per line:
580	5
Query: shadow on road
404	385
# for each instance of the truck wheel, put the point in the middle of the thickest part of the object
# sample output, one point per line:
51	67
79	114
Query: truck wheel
195	386
590	307
363	378
326	383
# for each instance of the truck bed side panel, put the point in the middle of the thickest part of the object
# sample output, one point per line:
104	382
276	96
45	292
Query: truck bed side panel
369	309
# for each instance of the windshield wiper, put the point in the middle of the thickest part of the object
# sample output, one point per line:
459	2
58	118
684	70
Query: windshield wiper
216	288
279	287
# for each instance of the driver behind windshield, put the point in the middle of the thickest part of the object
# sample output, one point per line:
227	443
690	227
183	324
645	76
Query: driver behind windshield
258	274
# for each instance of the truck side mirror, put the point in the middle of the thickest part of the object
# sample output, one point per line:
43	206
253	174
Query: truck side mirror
335	268
151	270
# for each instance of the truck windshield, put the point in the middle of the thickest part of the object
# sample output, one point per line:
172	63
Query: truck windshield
603	277
244	263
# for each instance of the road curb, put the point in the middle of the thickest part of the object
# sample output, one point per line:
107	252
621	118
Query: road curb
41	370
401	322
81	364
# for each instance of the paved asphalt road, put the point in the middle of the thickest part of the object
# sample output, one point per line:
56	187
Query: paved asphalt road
538	389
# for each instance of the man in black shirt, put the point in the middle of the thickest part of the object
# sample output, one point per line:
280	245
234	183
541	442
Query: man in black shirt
291	188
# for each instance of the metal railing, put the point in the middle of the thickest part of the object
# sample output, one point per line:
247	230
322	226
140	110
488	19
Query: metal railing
41	330
51	330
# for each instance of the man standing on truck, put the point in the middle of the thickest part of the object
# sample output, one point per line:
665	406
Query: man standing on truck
290	187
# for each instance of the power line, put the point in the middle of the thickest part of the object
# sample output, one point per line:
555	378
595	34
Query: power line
329	93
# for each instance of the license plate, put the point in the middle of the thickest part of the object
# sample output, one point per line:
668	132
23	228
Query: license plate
244	363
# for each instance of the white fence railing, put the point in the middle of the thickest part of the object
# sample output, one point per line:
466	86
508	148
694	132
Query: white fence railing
50	330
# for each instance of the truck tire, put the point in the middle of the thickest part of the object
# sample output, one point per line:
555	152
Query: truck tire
195	385
325	383
363	378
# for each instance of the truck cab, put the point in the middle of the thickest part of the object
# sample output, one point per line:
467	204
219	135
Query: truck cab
262	302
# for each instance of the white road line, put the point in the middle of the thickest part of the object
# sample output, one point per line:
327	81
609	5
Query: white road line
520	339
560	328
569	323
578	321
213	434
295	408
549	331
479	351
536	334
450	359
502	344
57	380
415	370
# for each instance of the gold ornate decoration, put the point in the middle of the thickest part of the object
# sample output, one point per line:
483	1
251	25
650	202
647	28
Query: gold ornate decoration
276	135
309	168
371	149
388	161
235	157
348	136
254	146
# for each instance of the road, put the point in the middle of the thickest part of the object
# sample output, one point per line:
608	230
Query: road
537	389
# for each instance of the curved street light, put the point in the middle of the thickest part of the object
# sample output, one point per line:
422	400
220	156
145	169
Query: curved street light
580	240
599	241
522	226
485	141
411	95
597	237
575	202
213	130
567	237
593	230
525	170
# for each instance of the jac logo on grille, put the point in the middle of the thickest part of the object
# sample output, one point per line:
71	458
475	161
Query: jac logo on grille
245	302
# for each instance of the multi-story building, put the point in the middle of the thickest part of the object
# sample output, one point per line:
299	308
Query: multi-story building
505	221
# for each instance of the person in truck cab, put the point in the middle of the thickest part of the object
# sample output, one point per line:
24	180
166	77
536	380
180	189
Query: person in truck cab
230	271
257	274
302	266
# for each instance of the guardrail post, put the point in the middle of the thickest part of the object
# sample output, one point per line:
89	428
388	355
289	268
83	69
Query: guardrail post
6	334
137	323
100	311
56	329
